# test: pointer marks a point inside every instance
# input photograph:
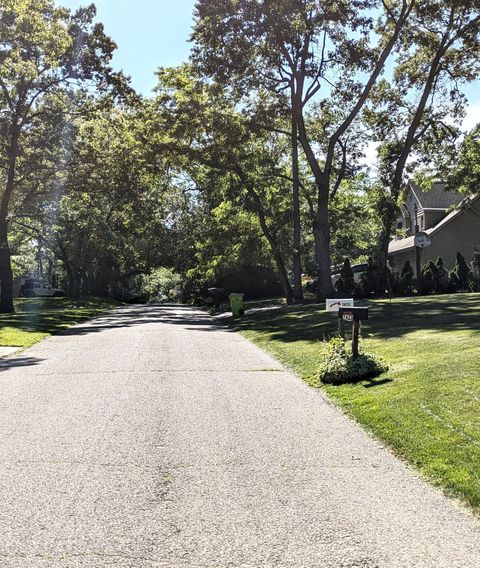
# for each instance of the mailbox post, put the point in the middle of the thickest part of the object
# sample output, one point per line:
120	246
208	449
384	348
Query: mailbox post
354	315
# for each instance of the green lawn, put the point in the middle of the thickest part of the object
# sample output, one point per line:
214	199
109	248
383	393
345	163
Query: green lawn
427	406
37	318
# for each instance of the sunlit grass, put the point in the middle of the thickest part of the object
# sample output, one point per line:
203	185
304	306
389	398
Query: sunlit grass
427	407
37	318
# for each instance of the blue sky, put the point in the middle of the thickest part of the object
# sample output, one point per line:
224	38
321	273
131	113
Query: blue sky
149	34
154	33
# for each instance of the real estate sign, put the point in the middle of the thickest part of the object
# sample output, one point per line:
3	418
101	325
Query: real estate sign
335	304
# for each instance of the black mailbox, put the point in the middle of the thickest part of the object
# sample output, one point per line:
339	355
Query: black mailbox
353	314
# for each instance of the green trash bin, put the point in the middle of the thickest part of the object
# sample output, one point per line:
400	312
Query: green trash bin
236	303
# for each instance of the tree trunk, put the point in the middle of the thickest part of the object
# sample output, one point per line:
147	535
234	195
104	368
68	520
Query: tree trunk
75	283
6	276
272	241
282	274
388	212
321	234
278	257
297	231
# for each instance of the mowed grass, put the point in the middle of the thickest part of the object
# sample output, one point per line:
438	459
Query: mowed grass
37	318
427	406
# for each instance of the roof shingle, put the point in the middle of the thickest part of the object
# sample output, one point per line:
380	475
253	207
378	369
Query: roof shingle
436	197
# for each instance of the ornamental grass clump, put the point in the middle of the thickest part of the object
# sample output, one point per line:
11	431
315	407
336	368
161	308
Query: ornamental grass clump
340	366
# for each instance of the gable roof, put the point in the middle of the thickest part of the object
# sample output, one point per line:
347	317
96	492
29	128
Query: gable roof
409	242
436	197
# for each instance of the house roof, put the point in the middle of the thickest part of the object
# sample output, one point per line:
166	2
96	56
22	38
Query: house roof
408	243
436	197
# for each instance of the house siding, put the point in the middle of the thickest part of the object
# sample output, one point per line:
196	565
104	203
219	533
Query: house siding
462	235
409	205
433	218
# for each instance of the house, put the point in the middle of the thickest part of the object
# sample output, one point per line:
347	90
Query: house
451	220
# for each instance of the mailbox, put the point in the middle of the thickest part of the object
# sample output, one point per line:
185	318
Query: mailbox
353	314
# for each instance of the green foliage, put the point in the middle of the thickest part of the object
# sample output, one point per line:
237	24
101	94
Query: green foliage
460	166
403	283
163	285
47	52
454	281
373	279
346	282
435	279
462	272
340	366
354	221
254	281
407	276
418	112
429	272
441	282
241	173
251	48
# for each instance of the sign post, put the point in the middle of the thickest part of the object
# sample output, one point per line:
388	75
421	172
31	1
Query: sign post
421	241
354	315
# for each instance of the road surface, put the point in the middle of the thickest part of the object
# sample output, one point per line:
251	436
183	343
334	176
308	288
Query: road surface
153	437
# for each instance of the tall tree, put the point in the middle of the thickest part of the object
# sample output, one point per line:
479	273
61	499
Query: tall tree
112	222
417	113
303	51
43	49
225	156
460	166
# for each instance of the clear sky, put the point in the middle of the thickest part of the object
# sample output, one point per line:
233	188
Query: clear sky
149	34
154	33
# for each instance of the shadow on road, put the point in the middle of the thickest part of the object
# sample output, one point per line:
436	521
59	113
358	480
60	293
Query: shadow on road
131	316
6	364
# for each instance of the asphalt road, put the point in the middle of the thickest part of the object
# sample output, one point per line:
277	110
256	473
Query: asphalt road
153	437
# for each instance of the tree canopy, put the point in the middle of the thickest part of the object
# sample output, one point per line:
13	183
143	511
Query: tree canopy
246	164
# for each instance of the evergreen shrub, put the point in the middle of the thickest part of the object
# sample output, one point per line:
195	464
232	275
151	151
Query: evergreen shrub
346	282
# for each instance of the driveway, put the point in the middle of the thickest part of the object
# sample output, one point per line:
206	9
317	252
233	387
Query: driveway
152	437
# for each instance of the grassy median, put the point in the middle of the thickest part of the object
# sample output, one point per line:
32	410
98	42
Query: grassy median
37	318
427	406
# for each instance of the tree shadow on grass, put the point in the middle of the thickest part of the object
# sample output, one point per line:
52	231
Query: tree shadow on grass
442	314
377	383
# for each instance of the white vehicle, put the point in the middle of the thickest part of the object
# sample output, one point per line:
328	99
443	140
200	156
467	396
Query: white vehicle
38	289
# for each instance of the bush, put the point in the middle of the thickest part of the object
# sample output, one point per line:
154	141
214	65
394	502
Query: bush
429	272
374	279
403	283
454	281
440	277
462	270
407	277
256	282
346	282
340	366
163	285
